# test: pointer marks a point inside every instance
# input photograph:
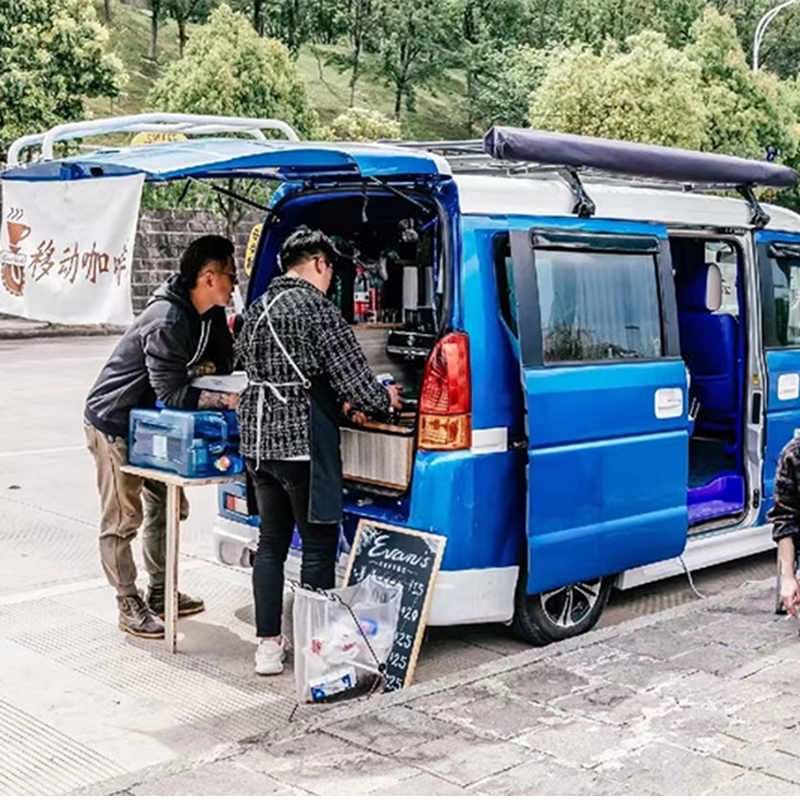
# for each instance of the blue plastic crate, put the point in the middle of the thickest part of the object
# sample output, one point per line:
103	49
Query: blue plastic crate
195	444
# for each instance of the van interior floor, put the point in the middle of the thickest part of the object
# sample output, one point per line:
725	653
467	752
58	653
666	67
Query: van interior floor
716	483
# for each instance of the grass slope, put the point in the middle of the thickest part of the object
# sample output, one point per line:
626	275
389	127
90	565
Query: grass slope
439	109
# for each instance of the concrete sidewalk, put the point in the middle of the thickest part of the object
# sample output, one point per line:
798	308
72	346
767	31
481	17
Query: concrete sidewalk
702	699
19	328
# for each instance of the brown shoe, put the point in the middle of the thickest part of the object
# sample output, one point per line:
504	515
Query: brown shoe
186	605
137	619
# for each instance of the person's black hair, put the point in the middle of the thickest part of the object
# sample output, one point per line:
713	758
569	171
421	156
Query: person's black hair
304	244
200	252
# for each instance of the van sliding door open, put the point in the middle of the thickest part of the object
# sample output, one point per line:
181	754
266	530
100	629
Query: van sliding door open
606	399
779	270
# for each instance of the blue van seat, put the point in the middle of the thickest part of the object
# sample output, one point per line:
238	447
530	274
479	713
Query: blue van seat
709	344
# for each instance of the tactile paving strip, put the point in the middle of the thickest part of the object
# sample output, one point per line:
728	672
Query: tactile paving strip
194	690
36	759
39	549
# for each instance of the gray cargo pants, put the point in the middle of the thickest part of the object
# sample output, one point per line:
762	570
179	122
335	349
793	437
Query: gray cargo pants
122	512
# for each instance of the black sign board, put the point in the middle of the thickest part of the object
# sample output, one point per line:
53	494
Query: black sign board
412	559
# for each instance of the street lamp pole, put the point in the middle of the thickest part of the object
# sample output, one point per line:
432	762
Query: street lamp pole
761	28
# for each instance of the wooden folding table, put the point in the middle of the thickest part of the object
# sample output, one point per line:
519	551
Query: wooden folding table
174	483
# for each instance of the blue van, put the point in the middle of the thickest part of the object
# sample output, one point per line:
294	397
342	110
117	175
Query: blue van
596	399
600	360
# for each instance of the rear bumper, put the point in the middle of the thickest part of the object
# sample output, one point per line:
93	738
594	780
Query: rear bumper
461	597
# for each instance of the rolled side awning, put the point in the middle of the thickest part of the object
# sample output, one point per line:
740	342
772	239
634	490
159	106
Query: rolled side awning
633	159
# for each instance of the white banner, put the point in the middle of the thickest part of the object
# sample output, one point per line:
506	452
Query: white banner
66	249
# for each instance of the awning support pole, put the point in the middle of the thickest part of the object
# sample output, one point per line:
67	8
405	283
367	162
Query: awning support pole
584	205
241	198
758	217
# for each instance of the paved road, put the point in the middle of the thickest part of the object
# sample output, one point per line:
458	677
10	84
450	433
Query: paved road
84	704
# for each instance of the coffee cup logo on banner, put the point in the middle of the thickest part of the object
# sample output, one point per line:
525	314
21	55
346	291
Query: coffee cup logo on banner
12	262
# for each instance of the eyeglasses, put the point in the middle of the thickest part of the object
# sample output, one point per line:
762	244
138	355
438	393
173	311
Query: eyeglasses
231	275
327	263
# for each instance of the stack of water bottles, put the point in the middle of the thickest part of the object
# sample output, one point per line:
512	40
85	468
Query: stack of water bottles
194	444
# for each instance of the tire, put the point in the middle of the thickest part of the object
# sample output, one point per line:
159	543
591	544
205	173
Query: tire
545	618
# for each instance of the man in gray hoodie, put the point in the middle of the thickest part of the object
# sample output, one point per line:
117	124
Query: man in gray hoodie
181	334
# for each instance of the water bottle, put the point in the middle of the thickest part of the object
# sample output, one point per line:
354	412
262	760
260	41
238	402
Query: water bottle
360	296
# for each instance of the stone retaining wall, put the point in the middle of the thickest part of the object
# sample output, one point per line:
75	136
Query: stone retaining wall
161	238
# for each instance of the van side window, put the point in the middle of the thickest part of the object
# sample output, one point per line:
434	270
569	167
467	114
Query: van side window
504	277
598	306
786	296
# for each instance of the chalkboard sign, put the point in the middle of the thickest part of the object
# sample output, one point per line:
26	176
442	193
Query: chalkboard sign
412	559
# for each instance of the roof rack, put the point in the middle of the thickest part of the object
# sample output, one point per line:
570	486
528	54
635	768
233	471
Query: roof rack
189	124
528	153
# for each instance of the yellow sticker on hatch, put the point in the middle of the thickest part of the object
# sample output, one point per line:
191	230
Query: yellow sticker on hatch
155	137
250	250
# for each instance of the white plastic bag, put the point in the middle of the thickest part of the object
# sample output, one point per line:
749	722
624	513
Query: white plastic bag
337	648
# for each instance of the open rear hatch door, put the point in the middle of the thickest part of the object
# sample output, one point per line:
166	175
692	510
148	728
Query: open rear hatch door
241	158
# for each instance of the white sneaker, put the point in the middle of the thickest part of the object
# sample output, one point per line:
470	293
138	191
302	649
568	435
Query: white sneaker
270	656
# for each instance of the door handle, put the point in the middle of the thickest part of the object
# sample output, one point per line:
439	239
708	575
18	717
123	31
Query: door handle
755	415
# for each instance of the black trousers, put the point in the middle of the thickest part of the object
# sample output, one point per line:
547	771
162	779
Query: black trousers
282	494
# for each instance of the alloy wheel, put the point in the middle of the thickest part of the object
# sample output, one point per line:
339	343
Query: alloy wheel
569	605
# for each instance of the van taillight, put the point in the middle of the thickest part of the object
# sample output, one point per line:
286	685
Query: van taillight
445	403
238	505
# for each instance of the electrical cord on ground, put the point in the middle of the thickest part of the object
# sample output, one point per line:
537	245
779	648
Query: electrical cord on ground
691	582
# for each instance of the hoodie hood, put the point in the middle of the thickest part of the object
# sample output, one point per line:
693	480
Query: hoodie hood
173	290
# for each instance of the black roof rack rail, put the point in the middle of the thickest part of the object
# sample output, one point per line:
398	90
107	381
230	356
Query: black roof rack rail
522	152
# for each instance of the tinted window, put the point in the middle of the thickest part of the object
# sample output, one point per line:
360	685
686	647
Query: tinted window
598	306
786	296
504	276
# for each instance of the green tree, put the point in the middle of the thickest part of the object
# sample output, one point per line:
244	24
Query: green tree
186	11
544	22
417	43
487	27
361	125
361	19
325	21
503	93
229	69
156	18
53	55
747	113
780	47
286	20
651	93
595	21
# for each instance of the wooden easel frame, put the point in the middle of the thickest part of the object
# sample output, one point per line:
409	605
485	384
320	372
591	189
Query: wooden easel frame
441	542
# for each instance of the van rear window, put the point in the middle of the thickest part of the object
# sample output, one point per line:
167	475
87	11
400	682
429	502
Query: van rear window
598	306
